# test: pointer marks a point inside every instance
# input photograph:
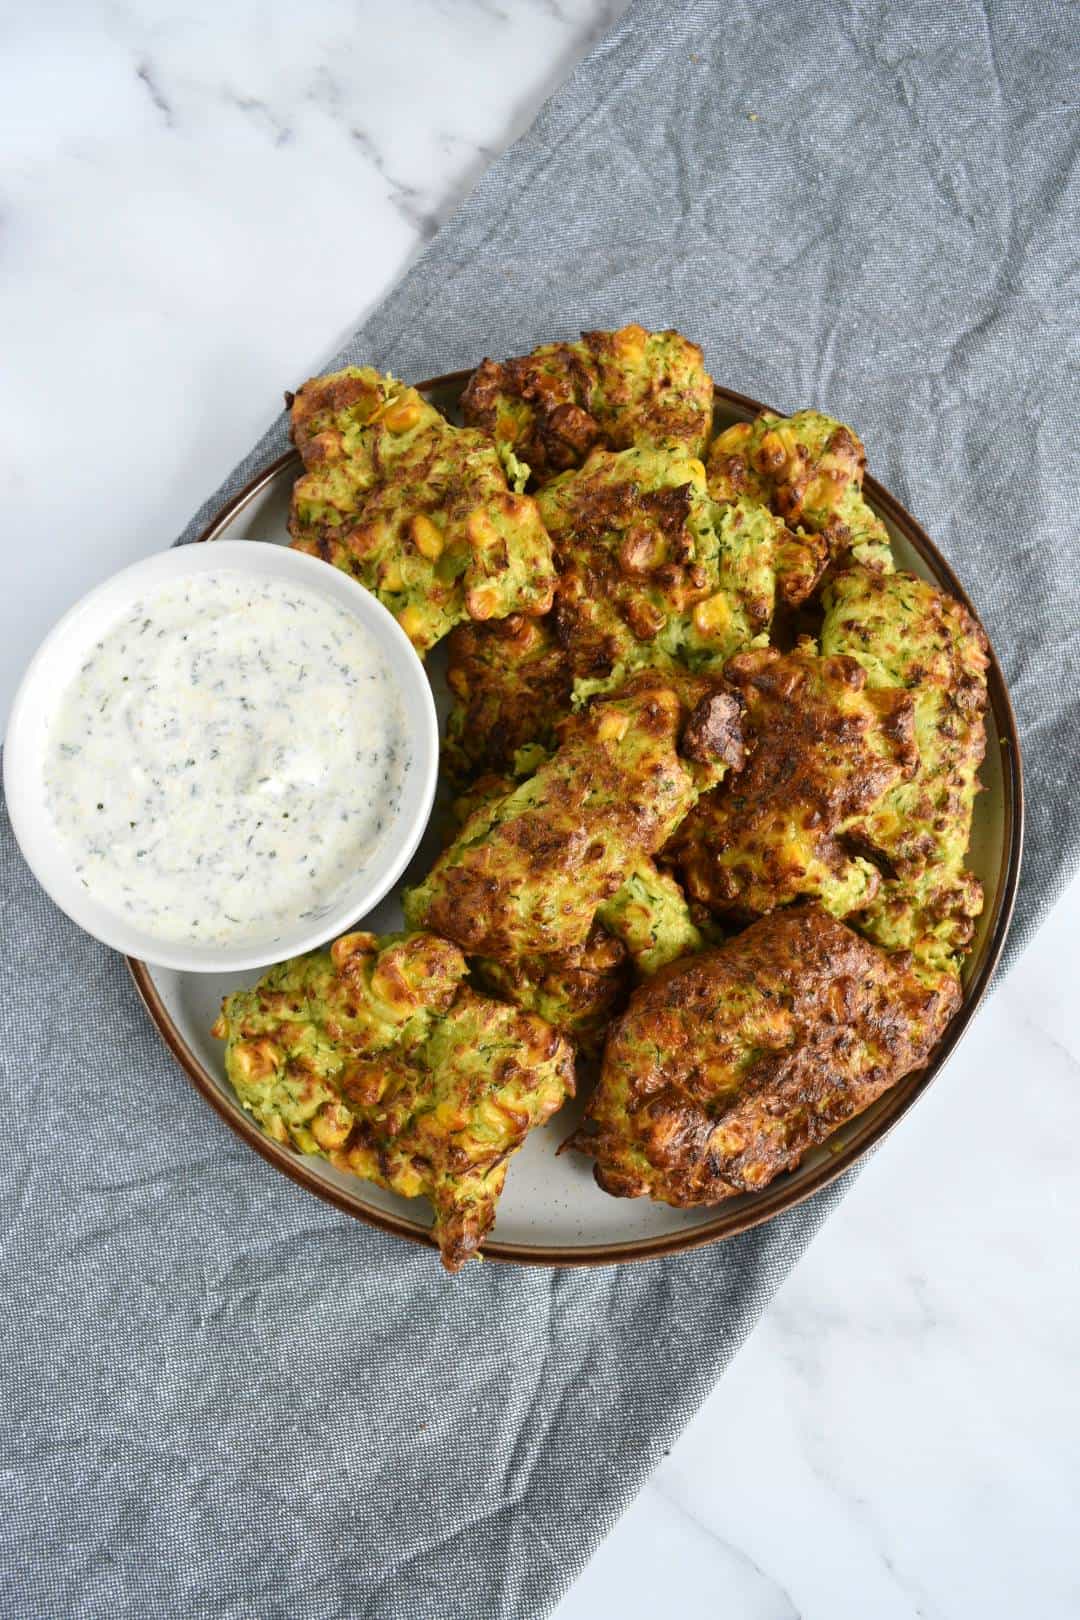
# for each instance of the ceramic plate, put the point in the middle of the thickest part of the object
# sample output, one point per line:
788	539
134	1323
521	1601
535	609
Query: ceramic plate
552	1213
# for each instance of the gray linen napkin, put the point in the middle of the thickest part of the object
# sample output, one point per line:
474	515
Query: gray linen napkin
228	1400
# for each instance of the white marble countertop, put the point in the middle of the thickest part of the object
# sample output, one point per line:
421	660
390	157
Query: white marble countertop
197	209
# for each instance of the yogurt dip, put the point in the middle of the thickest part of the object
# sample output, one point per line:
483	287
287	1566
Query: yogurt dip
230	754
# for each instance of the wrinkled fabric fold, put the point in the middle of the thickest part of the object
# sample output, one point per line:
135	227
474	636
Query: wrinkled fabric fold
227	1399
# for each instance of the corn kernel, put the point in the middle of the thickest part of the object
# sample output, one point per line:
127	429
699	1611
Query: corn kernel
255	1059
480	530
349	945
792	858
364	1162
446	1116
331	1125
613	726
389	984
482	602
402	415
733	438
713	616
630	341
411	621
407	1182
771	454
426	537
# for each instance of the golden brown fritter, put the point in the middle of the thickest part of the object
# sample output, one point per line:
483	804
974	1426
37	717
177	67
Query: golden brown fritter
613	389
808	468
482	790
650	573
377	1055
642	928
651	918
511	683
725	1069
577	992
911	637
415	509
932	913
527	873
823	747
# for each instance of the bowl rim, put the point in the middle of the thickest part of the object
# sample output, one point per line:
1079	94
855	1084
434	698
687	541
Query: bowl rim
782	1194
91	615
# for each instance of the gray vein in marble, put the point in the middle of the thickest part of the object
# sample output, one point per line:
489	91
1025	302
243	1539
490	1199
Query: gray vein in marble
146	76
1023	1012
488	8
602	21
262	113
789	1610
422	205
805	1323
448	142
861	1513
325	91
408	200
599	20
552	8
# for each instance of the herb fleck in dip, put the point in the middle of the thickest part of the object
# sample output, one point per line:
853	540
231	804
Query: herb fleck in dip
227	758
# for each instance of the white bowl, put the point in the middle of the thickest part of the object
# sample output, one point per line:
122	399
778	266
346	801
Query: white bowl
56	662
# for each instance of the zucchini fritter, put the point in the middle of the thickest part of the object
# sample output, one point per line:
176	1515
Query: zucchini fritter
528	871
645	925
911	637
908	635
377	1055
415	509
511	683
932	913
823	747
652	575
646	576
576	991
650	916
725	1069
613	389
809	468
480	791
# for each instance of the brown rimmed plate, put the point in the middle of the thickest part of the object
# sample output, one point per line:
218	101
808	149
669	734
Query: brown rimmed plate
552	1213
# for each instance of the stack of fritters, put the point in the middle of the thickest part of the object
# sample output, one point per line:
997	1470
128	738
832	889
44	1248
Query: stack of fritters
861	773
621	726
652	574
550	886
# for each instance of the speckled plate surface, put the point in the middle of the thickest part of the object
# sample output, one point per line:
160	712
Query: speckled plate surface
552	1213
